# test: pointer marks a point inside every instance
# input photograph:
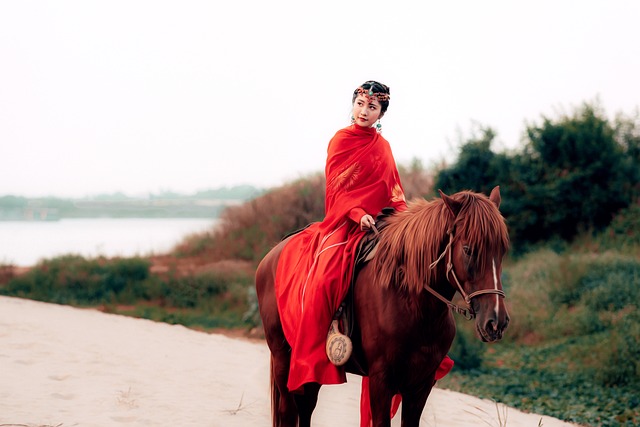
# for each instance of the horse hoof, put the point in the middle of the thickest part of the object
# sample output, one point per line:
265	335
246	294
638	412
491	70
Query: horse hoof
339	348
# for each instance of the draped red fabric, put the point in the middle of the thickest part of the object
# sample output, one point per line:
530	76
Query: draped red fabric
361	174
313	272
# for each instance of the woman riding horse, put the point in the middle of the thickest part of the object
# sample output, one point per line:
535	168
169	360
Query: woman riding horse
316	265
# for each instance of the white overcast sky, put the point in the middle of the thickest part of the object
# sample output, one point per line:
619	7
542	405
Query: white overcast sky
147	96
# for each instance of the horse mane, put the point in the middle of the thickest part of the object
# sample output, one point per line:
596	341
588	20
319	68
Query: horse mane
415	238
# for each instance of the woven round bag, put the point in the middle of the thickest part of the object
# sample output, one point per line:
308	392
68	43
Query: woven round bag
339	346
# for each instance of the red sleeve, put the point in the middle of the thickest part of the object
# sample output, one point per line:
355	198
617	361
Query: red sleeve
399	205
356	214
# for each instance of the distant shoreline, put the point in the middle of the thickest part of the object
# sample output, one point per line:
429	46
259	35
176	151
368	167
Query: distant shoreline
204	204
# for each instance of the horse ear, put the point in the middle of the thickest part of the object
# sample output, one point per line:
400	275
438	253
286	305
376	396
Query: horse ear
495	196
452	205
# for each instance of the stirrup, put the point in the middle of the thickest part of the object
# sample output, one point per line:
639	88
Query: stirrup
339	346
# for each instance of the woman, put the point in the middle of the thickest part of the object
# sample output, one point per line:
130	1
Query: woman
314	267
313	273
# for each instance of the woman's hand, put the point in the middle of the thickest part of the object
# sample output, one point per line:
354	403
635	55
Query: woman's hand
366	222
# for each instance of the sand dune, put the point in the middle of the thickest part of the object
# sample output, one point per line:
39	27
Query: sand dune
62	366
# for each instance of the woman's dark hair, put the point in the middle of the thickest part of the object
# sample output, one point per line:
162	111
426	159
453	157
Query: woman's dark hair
375	87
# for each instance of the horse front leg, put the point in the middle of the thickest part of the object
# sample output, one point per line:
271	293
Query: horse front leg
380	397
413	405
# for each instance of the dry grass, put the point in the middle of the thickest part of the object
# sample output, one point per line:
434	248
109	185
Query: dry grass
500	419
125	399
239	408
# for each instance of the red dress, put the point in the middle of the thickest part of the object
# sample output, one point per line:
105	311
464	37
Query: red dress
313	273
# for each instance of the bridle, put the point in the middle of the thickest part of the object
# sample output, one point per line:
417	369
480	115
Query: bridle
467	311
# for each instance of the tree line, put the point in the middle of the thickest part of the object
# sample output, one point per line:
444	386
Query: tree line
572	175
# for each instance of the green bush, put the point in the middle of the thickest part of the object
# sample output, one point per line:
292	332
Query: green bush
191	291
619	353
564	282
73	279
566	295
531	284
611	286
624	230
573	174
598	282
204	300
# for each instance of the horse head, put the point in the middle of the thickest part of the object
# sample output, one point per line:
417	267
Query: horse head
478	240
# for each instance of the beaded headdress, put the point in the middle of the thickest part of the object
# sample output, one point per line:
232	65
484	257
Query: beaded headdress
369	93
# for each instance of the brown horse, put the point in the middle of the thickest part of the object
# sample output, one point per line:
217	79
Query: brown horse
402	303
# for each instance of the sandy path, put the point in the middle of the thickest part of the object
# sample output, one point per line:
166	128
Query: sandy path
73	367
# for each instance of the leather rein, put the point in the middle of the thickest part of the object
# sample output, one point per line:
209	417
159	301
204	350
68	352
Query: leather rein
467	311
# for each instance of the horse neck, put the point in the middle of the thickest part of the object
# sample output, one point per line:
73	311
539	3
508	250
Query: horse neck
426	256
432	316
409	244
439	226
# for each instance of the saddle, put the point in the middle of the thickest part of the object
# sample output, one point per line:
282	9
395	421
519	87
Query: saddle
339	344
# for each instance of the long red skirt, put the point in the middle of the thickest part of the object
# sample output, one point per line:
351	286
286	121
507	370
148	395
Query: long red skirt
311	283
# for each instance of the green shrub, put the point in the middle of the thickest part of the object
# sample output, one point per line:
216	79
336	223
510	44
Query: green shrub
73	279
611	286
528	283
573	174
566	322
190	291
624	230
564	285
620	352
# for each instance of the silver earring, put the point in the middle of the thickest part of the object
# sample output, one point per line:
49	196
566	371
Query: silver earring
379	126
353	120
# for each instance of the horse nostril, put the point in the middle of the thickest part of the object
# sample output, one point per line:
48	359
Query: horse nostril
491	325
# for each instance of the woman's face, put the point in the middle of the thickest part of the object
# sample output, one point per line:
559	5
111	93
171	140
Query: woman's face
366	110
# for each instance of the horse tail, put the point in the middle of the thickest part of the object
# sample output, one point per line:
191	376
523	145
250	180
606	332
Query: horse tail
283	408
275	397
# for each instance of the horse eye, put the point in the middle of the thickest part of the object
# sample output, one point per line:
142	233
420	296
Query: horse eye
467	250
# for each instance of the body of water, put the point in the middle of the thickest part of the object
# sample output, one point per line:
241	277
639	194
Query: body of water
24	243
